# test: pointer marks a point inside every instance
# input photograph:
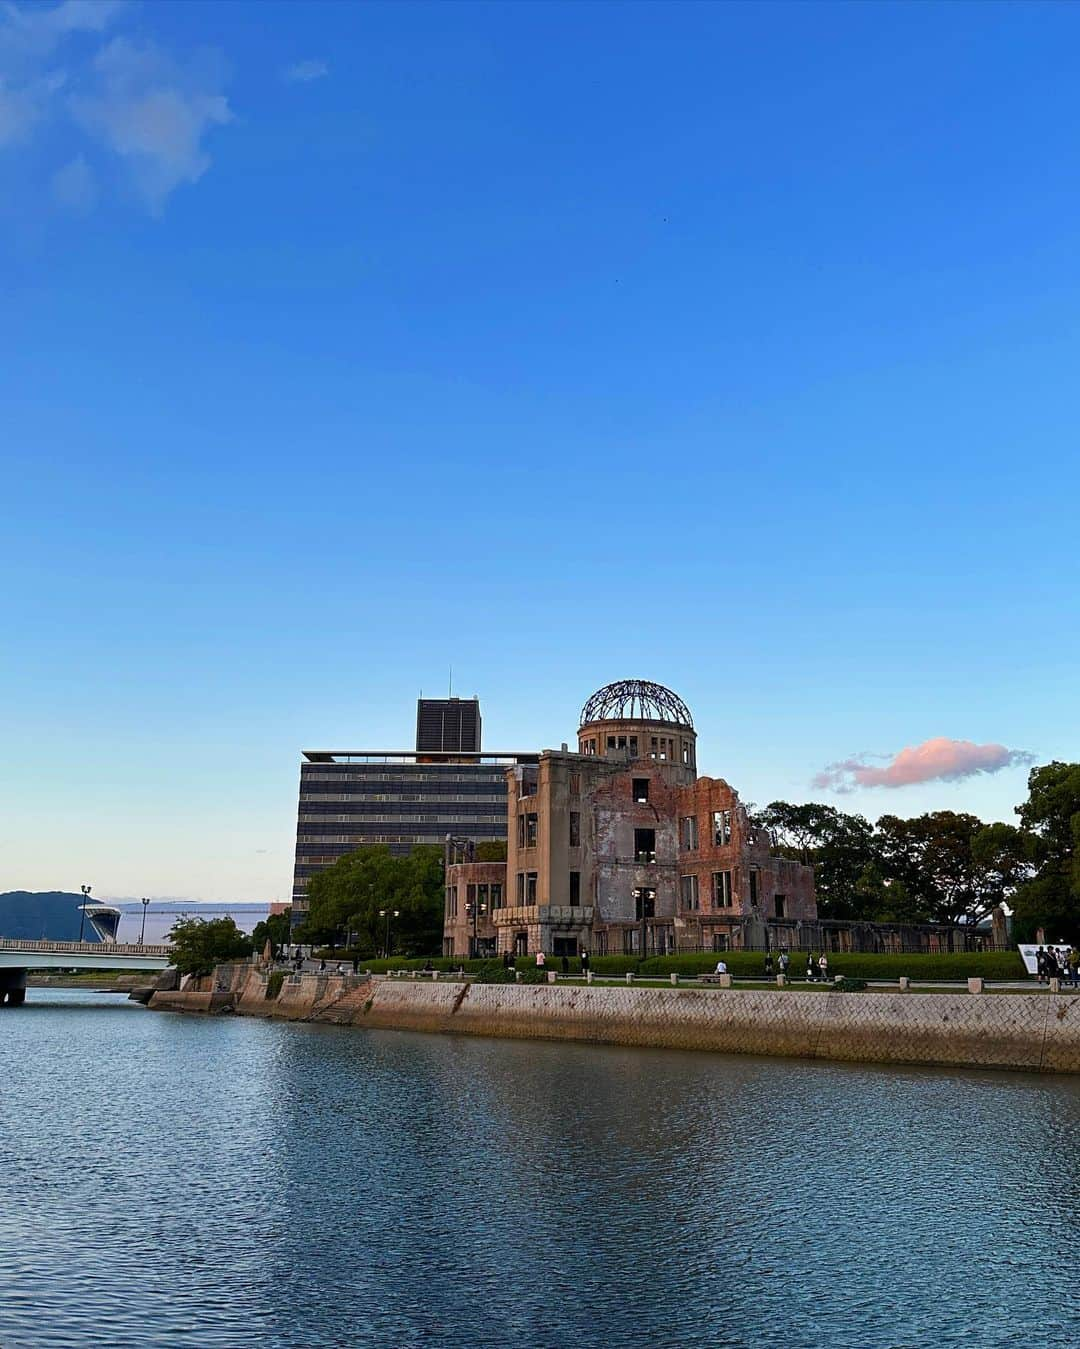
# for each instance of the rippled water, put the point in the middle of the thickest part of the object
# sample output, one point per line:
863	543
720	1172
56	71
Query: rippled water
180	1181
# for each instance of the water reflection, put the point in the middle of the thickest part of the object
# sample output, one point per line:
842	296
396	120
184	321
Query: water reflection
185	1181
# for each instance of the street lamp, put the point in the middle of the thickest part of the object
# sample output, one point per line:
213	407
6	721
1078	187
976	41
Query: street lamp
85	900
142	933
473	908
387	914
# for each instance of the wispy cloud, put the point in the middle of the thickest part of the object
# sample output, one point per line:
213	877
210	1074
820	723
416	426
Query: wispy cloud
74	186
936	760
154	114
137	116
303	72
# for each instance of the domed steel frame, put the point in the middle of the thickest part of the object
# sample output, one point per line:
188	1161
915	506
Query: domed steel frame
636	700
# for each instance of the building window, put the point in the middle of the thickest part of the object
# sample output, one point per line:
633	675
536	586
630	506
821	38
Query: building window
690	897
470	898
633	747
530	887
496	895
641	791
575	784
644	845
720	941
753	888
520	888
575	829
588	747
721	827
781	906
721	889
686	752
482	898
521	831
531	824
575	889
689	833
451	901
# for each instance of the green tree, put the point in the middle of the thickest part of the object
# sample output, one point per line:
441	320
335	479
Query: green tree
838	846
274	929
1051	817
198	944
932	855
349	898
491	850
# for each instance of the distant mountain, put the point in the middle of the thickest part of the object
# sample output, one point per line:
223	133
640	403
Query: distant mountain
50	915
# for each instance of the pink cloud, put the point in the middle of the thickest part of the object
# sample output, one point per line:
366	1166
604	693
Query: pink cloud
937	760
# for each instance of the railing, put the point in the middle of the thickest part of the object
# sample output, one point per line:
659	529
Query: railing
80	948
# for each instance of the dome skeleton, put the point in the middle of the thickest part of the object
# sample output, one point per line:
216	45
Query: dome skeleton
633	700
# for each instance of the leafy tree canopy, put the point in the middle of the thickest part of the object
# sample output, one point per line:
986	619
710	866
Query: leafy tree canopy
274	930
1051	816
198	944
348	901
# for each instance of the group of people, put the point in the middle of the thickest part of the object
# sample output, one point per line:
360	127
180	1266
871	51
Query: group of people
815	969
1058	963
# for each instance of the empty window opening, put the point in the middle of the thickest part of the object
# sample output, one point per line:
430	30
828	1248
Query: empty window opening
575	889
753	888
641	791
530	887
781	906
575	829
690	898
721	887
531	827
721	827
644	845
689	833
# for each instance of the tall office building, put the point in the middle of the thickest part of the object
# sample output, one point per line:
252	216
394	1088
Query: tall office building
349	798
448	724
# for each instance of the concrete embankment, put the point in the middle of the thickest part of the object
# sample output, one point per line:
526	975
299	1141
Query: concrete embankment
1034	1032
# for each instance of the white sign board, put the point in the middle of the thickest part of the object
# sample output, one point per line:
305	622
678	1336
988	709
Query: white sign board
1029	953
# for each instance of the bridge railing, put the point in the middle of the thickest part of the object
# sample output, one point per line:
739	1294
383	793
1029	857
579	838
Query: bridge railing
82	948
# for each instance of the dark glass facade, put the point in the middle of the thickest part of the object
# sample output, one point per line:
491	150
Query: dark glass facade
398	799
448	725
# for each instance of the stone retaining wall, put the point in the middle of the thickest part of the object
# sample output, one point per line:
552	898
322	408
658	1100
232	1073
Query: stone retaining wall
1029	1031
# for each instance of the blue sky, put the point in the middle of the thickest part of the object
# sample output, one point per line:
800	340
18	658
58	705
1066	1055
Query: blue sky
729	346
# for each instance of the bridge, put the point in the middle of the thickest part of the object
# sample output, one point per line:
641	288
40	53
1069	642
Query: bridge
16	957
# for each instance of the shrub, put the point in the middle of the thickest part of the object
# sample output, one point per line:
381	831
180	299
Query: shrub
848	985
493	972
273	984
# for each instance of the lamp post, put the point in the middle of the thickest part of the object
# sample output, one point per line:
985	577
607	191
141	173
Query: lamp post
142	930
474	909
85	900
387	914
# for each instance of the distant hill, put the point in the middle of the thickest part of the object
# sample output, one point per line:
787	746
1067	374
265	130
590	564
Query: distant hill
51	915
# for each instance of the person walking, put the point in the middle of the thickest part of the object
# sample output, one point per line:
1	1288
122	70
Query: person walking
541	960
1074	967
823	967
1040	965
584	962
811	968
782	963
768	964
566	964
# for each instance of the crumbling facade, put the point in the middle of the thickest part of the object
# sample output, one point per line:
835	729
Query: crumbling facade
622	849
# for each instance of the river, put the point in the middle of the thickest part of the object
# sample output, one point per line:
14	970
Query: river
186	1181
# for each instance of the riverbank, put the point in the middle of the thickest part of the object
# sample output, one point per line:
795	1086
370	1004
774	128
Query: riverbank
1031	1032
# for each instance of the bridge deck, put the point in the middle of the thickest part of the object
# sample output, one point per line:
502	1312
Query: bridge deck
84	955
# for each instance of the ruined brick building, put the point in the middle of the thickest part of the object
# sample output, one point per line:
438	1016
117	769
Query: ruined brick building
621	848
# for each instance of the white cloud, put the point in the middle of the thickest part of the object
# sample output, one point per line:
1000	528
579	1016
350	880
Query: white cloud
154	114
142	109
305	71
74	186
